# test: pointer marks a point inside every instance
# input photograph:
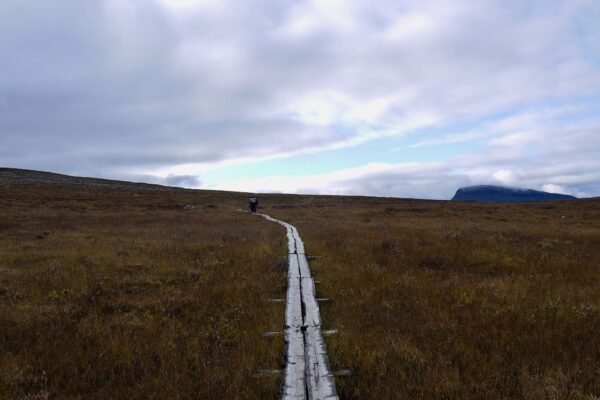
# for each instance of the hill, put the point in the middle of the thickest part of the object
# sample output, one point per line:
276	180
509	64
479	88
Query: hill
490	193
15	176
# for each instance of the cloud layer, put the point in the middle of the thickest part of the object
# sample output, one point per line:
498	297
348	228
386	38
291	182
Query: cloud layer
124	88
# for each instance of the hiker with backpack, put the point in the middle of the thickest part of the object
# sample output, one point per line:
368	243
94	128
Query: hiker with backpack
253	203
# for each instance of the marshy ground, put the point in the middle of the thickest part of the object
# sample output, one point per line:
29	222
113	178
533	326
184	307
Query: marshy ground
121	293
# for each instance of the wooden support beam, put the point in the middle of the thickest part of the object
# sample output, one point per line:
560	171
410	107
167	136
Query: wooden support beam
265	373
272	334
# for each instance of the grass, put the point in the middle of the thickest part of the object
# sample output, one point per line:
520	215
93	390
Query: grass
122	294
116	294
440	300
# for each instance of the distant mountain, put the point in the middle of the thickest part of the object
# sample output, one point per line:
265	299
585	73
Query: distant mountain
489	193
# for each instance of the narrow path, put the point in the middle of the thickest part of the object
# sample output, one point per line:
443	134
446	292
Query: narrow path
307	372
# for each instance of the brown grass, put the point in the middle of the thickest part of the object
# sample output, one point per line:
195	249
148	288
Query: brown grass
118	294
440	300
122	294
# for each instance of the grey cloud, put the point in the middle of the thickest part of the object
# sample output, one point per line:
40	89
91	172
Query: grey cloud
187	181
108	86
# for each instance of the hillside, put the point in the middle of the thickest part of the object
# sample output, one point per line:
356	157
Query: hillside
15	176
489	193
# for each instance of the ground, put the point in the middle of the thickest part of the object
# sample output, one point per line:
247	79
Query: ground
441	300
122	293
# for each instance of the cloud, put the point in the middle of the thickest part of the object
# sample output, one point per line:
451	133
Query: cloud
158	87
564	159
551	188
187	181
522	120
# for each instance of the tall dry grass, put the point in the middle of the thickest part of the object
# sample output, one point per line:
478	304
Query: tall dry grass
440	300
111	294
121	294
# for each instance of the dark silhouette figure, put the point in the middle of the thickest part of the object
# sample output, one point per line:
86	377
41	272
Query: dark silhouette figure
253	203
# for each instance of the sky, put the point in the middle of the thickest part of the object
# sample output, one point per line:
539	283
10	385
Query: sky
403	98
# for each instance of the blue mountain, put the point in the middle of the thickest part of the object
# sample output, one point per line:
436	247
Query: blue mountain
490	193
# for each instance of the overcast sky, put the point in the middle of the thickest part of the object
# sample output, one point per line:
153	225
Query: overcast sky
409	98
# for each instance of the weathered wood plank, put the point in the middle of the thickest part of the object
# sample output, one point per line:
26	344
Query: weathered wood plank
320	381
291	240
294	376
294	385
272	333
267	372
307	368
299	243
304	267
293	306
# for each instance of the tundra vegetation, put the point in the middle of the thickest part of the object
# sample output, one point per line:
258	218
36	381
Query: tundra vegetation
118	293
447	300
123	294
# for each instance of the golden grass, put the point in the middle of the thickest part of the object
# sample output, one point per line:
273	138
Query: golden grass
117	294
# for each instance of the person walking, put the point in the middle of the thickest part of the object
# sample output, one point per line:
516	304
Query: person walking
253	203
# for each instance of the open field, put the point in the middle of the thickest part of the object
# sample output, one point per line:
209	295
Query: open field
441	300
108	294
116	293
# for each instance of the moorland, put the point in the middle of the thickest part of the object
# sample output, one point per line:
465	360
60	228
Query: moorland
124	292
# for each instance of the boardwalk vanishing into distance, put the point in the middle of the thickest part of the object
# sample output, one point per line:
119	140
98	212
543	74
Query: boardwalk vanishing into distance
307	373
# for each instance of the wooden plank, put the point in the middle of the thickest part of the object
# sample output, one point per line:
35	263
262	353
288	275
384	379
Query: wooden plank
294	384
304	267
294	376
307	370
320	381
294	266
299	243
291	240
293	306
267	372
272	333
312	316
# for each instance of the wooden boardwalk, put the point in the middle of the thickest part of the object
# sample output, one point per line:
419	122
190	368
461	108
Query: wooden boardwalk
307	372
